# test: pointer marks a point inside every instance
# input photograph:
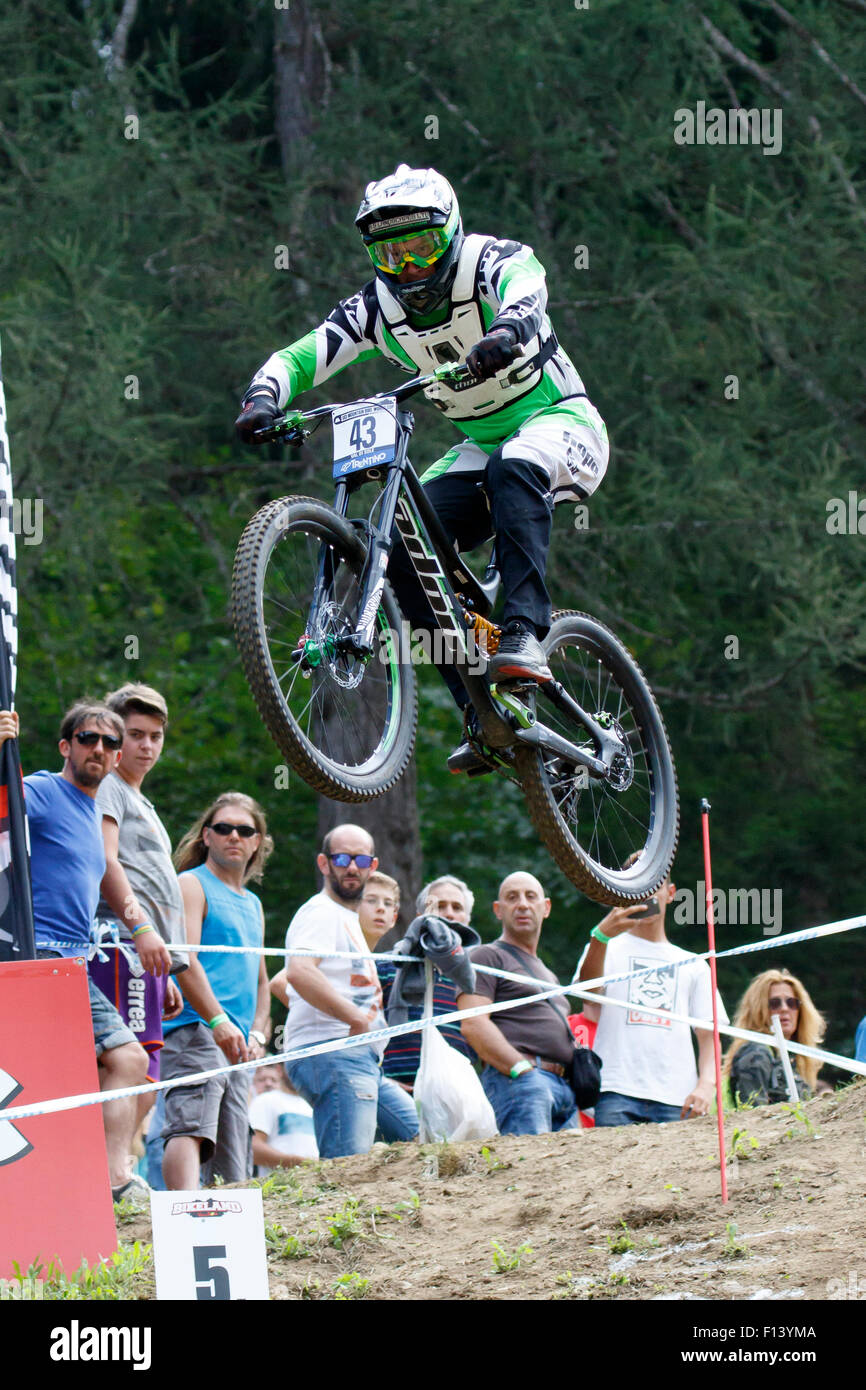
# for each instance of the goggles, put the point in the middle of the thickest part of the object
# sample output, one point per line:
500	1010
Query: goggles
418	248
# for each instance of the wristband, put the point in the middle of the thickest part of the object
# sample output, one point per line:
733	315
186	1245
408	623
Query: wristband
217	1020
519	1068
145	926
600	936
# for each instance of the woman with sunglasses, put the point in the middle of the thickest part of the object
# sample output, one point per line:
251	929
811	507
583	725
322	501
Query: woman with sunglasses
754	1070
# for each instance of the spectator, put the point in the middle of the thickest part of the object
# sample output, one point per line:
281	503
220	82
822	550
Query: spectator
281	1122
377	914
527	1052
445	897
140	900
67	863
648	1062
755	1070
226	1008
860	1042
379	907
330	997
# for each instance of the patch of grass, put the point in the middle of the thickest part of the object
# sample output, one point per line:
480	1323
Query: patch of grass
350	1287
618	1245
503	1262
799	1116
126	1211
345	1224
411	1208
113	1279
733	1249
494	1164
743	1144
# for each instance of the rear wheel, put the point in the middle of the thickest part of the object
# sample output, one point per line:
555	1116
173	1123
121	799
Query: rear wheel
347	725
592	826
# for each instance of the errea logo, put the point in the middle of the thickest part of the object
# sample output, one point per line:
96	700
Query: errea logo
13	1145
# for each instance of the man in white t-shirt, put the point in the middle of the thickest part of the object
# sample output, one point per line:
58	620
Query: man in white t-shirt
334	997
281	1122
648	1061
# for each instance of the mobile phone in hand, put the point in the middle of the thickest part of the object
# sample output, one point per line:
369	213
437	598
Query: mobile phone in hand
651	909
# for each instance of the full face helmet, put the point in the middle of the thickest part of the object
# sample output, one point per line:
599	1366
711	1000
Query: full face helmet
412	217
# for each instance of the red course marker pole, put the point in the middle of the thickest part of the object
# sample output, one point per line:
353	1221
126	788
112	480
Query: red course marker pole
717	1047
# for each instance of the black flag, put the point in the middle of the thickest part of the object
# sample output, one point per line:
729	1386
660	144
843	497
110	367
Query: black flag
16	904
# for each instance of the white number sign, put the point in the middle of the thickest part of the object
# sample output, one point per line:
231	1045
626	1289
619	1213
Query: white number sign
209	1245
364	434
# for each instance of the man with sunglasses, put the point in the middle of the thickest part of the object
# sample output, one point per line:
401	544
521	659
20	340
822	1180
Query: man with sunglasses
67	863
332	996
531	436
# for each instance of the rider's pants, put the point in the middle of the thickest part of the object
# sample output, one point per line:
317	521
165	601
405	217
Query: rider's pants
509	499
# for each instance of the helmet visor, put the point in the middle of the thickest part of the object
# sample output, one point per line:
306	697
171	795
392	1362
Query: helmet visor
418	248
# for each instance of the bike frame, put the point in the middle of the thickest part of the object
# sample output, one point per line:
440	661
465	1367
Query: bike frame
449	587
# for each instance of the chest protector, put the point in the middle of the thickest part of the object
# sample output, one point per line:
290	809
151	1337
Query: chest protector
451	340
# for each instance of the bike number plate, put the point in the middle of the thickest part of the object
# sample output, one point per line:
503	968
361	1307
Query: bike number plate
365	435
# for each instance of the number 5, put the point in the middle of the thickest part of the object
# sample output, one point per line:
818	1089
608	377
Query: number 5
212	1281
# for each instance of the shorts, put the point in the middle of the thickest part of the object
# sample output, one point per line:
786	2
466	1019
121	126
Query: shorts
109	1029
568	441
138	998
214	1111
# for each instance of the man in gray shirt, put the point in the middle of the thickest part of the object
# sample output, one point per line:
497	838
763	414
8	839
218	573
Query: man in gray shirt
140	898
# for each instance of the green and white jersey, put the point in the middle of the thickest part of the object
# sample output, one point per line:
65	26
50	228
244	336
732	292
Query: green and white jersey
498	284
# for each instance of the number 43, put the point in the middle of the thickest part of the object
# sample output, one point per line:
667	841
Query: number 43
368	424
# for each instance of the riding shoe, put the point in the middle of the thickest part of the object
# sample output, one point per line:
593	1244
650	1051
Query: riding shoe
520	657
465	758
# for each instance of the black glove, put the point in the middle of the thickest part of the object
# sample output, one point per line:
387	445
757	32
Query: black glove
496	350
257	413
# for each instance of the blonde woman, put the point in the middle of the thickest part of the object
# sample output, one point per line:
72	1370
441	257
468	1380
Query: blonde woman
754	1070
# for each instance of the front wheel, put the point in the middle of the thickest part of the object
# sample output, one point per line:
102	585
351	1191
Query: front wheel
346	724
614	838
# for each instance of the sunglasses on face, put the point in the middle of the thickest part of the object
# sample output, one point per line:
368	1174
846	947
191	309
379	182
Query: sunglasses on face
222	827
342	861
776	1005
89	738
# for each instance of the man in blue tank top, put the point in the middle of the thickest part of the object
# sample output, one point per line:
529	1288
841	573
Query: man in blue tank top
227	997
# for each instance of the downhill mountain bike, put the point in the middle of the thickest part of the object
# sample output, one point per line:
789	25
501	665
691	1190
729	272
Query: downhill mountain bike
325	653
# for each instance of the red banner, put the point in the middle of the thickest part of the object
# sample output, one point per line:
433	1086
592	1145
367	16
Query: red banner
55	1198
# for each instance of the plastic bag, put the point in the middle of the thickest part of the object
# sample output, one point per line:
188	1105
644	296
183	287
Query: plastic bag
449	1096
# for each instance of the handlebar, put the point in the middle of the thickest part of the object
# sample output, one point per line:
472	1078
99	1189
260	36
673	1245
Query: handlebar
290	428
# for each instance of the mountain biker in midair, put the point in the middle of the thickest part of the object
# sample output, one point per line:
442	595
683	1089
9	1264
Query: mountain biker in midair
531	438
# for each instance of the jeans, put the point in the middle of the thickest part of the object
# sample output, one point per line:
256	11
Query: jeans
353	1102
537	1102
612	1108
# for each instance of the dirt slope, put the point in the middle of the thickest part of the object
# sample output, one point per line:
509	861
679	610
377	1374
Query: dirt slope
629	1213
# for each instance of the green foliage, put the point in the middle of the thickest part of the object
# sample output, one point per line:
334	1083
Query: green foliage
345	1224
351	1286
618	1245
733	1248
799	1116
743	1144
114	1279
505	1261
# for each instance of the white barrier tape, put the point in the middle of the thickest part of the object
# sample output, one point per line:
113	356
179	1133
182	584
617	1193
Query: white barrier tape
20	1112
833	1058
51	1107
